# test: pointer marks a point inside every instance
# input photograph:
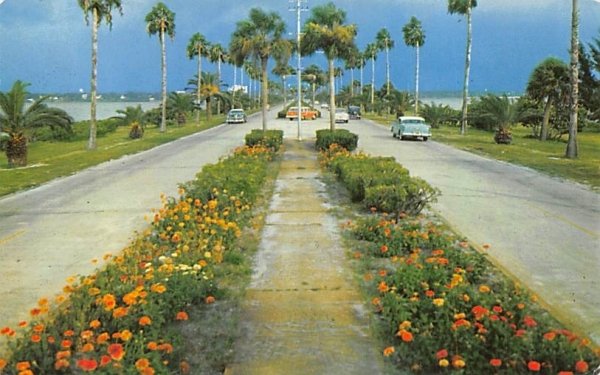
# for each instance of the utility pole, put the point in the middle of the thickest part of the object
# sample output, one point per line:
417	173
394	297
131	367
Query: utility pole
299	6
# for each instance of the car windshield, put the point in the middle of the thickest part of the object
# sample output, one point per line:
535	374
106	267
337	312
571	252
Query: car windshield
413	122
340	110
236	112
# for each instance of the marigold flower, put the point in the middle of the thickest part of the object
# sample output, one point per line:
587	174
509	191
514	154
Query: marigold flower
87	364
95	324
210	299
389	351
145	321
429	293
404	325
384	249
88	347
102	338
104	360
534	366
565	373
383	287
182	315
549	336
496	362
184	367
484	289
405	335
22	366
158	288
120	312
35	311
443	362
109	302
142	363
61	364
116	352
63	354
479	312
497	309
3	363
166	347
152	345
458	362
439	302
69	333
581	366
66	344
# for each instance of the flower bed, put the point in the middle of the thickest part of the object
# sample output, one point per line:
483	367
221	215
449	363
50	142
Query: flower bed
115	320
444	308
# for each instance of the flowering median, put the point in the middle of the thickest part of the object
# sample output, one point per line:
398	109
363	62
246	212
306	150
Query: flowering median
444	308
117	320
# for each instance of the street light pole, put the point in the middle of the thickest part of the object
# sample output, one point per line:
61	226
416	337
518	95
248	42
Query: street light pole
299	6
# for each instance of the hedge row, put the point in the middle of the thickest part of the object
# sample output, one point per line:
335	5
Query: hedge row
341	137
116	321
269	138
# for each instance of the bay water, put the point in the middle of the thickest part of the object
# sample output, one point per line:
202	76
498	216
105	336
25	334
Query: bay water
80	111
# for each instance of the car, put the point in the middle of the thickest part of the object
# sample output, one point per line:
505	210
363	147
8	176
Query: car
354	112
236	116
325	106
411	127
307	113
341	115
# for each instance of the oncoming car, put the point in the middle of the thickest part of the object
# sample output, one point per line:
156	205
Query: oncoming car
411	127
236	116
341	115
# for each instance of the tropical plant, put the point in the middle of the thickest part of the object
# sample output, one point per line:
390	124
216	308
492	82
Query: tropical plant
316	77
283	71
179	105
209	89
259	37
384	42
325	30
16	120
131	114
100	10
198	47
217	55
547	84
572	149
464	7
437	114
371	53
414	36
161	21
351	62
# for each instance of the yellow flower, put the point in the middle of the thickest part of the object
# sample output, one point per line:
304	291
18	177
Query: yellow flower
484	289
439	302
388	351
443	362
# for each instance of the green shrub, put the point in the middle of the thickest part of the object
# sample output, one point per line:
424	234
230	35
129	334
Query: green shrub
342	137
269	138
410	196
136	130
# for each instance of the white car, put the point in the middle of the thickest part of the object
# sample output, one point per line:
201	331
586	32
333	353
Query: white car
341	115
411	127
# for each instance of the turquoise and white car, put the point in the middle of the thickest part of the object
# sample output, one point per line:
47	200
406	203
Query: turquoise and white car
411	127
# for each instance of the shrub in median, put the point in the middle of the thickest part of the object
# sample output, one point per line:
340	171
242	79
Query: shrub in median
269	138
341	137
115	321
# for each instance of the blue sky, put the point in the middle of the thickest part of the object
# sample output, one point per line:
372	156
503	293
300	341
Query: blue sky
47	43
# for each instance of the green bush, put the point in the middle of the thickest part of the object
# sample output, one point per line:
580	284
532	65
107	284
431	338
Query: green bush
342	137
136	130
410	196
269	138
81	129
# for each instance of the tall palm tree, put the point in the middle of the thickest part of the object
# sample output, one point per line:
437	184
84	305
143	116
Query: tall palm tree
464	7
161	21
414	36
371	53
283	71
100	10
316	77
384	42
572	151
15	120
258	38
352	62
217	55
209	88
325	30
547	84
198	47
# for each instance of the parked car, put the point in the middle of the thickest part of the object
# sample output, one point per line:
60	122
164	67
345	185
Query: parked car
236	116
354	112
341	115
307	113
411	127
325	106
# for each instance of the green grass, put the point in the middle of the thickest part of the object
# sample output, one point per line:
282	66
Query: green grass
49	160
547	157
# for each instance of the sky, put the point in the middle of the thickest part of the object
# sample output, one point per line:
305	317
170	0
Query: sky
48	44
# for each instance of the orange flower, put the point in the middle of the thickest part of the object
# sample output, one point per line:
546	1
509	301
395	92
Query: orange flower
158	288
429	293
184	367
210	299
565	373
458	362
87	364
384	249
142	363
104	360
38	328
63	354
36	338
61	364
152	345
22	366
87	334
125	335
166	347
88	347
145	321
496	362
120	312
550	336
484	289
66	344
534	366
68	333
383	287
35	312
95	324
388	351
2	363
182	315
581	366
109	302
116	351
405	335
102	338
22	324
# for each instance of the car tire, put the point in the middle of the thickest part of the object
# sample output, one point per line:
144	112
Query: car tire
424	139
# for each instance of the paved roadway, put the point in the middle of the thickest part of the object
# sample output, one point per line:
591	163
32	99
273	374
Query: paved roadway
544	231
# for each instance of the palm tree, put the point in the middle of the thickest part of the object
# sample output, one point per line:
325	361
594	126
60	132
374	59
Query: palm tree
325	30
161	21
209	88
371	53
352	61
15	120
384	42
198	46
572	151
414	36
283	71
130	115
464	7
258	37
217	55
316	77
547	84
100	10
179	105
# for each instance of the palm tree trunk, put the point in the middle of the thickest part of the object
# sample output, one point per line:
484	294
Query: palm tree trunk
572	151
208	112
199	85
219	84
92	138
265	92
16	150
362	68
387	68
314	88
331	95
234	87
352	82
372	82
546	119
417	83
463	122
284	91
163	49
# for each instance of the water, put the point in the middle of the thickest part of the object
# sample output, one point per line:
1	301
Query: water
81	110
451	101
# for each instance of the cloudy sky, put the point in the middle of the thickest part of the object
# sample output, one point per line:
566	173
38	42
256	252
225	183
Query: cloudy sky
47	42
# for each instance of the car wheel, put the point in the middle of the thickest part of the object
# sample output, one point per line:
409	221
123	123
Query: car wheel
401	137
424	139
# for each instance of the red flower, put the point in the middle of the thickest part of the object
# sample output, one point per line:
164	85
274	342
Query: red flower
384	249
581	366
441	354
87	364
496	362
105	360
534	366
182	315
529	321
565	373
116	351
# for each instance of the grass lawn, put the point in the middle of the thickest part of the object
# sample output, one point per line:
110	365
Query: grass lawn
547	157
49	160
